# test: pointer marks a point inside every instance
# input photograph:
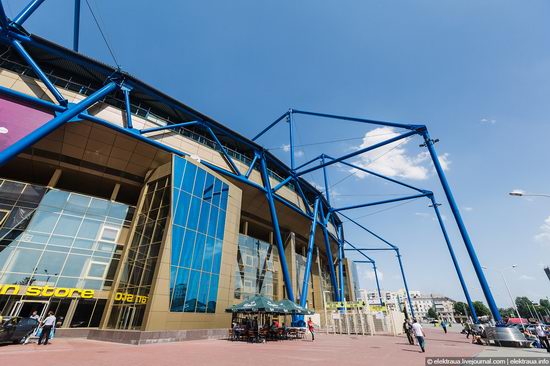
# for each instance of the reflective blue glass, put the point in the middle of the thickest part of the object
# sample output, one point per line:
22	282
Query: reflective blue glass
225	194
217	260
179	172
208	187
182	208
199	183
212	222
208	254
189	178
193	220
67	225
179	289
177	243
198	253
217	193
221	225
192	291
212	294
205	213
202	297
187	252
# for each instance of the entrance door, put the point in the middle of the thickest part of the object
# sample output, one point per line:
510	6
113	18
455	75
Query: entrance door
24	308
126	317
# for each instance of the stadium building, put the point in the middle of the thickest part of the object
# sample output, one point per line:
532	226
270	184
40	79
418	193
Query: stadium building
136	212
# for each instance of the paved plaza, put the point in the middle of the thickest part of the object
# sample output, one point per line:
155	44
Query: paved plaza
326	350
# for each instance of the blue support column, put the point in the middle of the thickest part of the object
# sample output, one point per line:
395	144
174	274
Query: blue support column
455	261
76	29
405	282
377	283
126	91
325	178
223	150
3	18
341	262
27	141
462	228
291	139
276	228
330	263
27	11
309	255
41	75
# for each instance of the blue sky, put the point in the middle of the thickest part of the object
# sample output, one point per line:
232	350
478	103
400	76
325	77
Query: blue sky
476	72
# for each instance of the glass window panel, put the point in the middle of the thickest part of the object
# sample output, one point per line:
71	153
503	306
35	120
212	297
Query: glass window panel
18	218
225	195
51	263
202	297
11	190
192	291
205	212
221	225
23	260
5	257
33	193
216	262
213	221
75	265
194	211
189	178
213	294
181	209
199	183
179	172
106	247
109	233
180	290
77	204
208	187
187	251
69	282
89	229
177	242
67	225
118	210
55	198
83	244
217	192
98	207
198	253
43	221
62	241
208	254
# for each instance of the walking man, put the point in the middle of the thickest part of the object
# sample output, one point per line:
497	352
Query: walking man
47	326
419	334
311	328
444	326
542	336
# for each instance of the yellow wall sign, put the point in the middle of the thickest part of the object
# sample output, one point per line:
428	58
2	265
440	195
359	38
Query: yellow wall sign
47	291
124	297
346	304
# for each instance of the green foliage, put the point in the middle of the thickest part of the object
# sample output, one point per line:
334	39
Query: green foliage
507	313
460	308
432	313
481	309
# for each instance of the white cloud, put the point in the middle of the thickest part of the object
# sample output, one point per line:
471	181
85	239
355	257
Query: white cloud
392	160
468	209
422	214
527	278
366	276
488	121
297	153
543	236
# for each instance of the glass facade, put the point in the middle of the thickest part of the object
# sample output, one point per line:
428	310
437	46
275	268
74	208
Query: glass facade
199	211
301	270
63	240
139	267
256	269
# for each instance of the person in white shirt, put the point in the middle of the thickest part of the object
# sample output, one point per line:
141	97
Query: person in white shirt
419	334
36	317
47	326
543	338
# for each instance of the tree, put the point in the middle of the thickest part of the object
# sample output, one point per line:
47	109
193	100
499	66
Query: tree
507	313
460	308
432	313
481	309
525	307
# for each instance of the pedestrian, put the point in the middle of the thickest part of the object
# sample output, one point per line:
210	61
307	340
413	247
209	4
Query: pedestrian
467	329
444	326
311	328
47	326
407	328
36	317
419	334
543	337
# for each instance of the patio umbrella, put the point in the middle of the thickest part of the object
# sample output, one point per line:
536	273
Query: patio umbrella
293	308
257	304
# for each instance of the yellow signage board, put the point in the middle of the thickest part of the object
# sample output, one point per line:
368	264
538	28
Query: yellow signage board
346	304
47	291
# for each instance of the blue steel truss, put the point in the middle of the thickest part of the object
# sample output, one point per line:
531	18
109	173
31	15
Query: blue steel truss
322	213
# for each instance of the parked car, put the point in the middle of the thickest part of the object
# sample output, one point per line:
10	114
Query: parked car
16	329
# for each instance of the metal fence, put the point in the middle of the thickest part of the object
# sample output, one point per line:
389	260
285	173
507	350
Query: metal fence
358	322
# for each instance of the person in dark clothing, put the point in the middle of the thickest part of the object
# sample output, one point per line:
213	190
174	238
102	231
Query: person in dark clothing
407	328
47	326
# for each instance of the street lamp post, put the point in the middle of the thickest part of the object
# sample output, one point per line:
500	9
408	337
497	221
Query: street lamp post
519	193
509	293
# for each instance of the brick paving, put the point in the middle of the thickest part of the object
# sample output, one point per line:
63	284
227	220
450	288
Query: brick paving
333	350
